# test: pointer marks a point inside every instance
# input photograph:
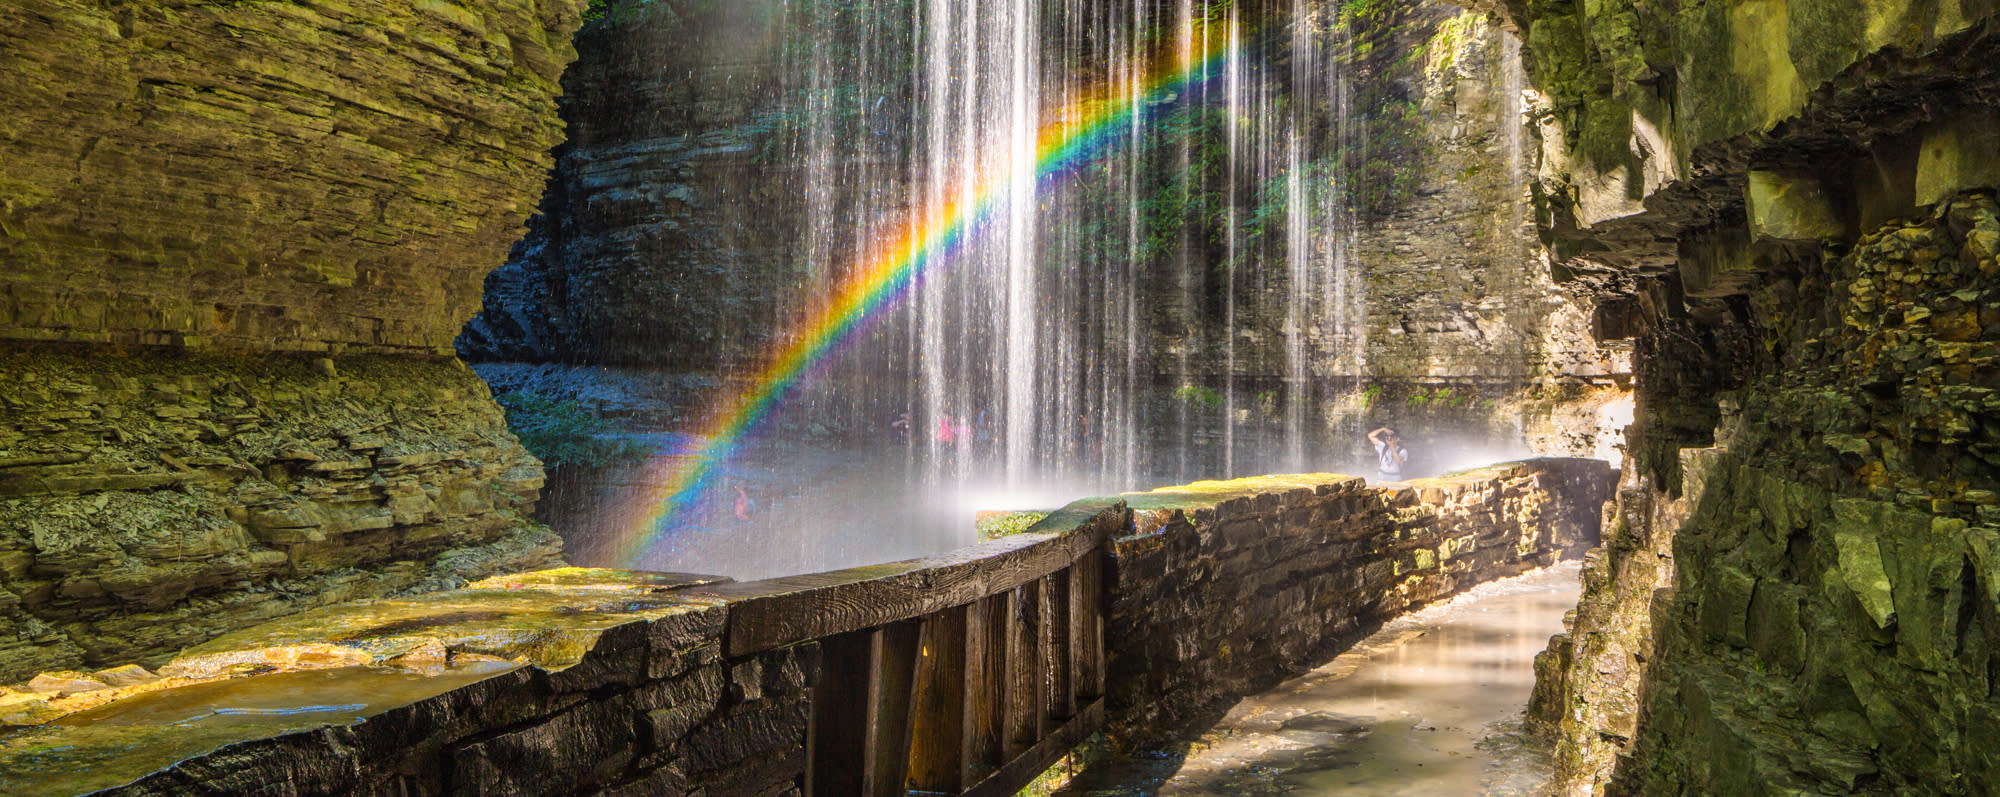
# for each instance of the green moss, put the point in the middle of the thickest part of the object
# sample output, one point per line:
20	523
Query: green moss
1199	396
1004	524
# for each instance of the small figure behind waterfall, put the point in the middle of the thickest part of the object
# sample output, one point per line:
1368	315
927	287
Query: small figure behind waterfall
743	502
1389	452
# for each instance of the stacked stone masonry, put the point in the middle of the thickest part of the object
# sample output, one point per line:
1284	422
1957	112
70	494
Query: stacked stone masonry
607	682
1212	601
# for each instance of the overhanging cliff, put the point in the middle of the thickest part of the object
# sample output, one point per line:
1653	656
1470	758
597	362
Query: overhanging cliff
337	174
1788	208
236	242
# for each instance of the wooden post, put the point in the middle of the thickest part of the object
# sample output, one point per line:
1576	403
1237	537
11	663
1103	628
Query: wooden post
861	711
1061	695
947	691
1088	607
1026	655
839	712
988	748
894	705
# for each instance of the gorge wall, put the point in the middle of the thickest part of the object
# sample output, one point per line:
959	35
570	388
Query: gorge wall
698	203
1789	208
236	242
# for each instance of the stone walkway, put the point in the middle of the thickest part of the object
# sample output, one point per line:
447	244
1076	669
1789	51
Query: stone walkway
1429	705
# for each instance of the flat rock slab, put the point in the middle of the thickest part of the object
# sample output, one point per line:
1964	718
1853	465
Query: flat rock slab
336	666
123	741
1211	494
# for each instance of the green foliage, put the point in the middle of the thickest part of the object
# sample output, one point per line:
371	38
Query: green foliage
1385	157
1370	395
1186	206
1451	36
1443	398
560	432
1199	396
617	12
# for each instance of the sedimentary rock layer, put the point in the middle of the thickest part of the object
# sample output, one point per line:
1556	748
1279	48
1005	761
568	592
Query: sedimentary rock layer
336	174
1789	208
151	502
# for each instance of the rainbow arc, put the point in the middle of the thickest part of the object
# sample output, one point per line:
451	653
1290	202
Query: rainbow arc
1082	132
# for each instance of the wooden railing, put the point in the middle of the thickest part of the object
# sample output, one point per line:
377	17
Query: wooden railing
965	674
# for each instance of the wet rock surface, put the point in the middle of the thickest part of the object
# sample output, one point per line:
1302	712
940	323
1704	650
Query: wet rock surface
1430	704
1783	207
150	503
1831	622
543	683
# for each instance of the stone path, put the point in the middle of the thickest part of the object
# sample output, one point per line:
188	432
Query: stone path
1429	705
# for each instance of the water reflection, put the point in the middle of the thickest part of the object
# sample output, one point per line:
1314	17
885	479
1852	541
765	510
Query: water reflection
1431	704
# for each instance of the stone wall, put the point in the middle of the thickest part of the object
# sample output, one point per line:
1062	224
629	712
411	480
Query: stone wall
591	681
149	503
1218	594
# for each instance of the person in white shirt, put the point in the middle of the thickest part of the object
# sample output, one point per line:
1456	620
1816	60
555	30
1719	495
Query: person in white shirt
1389	452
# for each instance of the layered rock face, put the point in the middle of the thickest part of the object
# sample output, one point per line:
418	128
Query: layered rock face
212	189
149	504
1452	285
1790	209
668	234
269	176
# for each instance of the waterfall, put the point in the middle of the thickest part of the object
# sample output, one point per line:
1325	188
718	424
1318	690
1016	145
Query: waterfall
1171	307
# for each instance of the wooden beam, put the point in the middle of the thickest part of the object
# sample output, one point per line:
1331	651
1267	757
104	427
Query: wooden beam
1031	763
784	611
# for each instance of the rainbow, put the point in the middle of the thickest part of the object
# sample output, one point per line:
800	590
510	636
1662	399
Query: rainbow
879	281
